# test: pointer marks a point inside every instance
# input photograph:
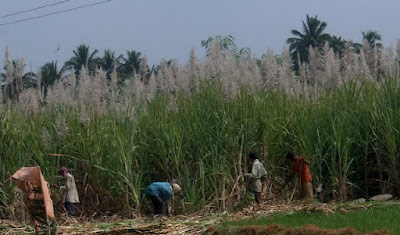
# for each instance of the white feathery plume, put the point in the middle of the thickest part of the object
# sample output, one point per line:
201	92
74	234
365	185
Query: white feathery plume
193	71
28	101
70	92
387	63
215	58
286	75
100	90
138	87
39	85
398	49
9	68
314	67
255	74
364	69
229	76
303	73
143	66
349	63
114	88
332	77
192	66
83	86
182	82
374	57
151	87
271	71
61	127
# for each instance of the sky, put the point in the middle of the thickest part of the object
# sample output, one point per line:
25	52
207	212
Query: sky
170	29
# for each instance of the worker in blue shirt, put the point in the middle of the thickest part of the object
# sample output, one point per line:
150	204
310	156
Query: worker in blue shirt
160	193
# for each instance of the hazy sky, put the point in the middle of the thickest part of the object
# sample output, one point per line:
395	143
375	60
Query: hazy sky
171	28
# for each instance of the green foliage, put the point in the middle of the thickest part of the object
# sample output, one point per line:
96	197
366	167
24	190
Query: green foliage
50	74
312	36
379	218
202	141
372	37
82	58
109	62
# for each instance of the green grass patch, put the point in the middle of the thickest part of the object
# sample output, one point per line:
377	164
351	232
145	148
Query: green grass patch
116	224
378	218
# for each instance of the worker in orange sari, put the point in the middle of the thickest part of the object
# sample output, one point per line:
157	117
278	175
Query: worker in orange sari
300	165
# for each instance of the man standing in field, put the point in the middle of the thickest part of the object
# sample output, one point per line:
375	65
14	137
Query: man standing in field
257	173
300	164
160	193
70	196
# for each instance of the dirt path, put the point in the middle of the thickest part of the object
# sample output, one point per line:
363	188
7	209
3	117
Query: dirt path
193	224
157	225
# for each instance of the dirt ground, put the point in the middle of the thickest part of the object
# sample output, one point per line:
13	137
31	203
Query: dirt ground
115	225
200	223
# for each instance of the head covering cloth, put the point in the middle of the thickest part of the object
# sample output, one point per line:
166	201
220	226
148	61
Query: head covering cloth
33	175
64	171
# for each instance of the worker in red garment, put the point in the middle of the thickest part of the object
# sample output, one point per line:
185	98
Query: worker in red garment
300	165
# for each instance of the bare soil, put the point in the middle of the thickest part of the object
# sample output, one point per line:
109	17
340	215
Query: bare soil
200	223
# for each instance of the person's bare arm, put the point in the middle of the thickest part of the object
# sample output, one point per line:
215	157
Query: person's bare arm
67	184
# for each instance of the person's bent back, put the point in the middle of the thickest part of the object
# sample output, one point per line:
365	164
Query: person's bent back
160	193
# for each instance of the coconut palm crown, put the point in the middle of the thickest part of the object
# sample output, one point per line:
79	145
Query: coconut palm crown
312	36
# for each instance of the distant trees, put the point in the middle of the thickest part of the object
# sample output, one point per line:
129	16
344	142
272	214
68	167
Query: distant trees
227	43
50	74
14	80
337	44
127	66
109	62
82	57
312	35
131	64
372	37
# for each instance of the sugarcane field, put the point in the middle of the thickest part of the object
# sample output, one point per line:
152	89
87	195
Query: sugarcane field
299	140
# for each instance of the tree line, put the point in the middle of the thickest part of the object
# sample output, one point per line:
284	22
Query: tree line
313	35
134	63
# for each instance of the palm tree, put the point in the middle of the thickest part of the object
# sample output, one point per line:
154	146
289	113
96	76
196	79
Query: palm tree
20	80
372	38
82	57
154	69
313	35
131	64
227	43
356	47
50	74
109	61
337	44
